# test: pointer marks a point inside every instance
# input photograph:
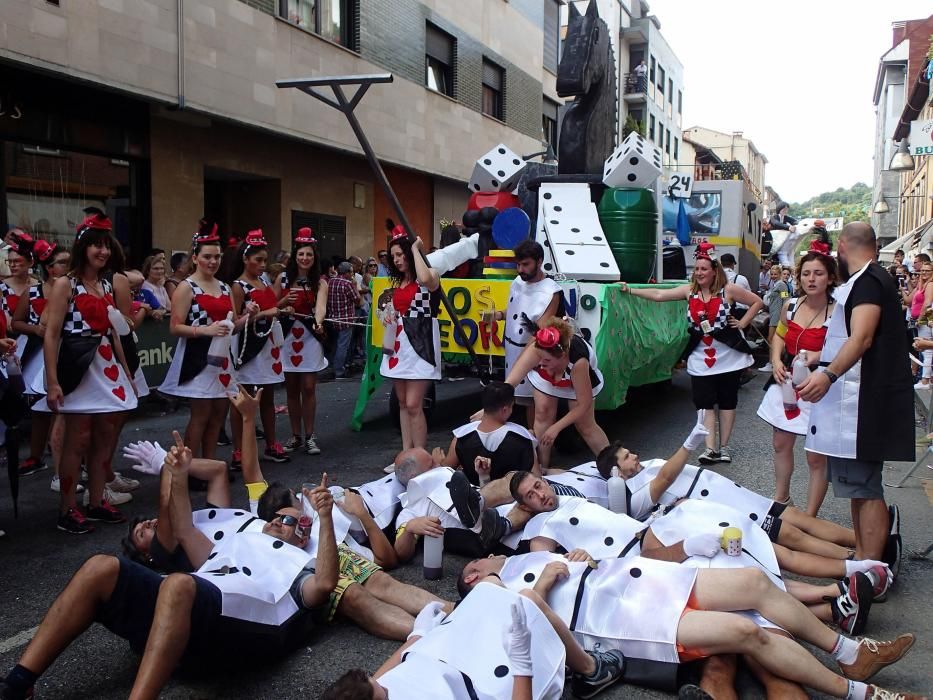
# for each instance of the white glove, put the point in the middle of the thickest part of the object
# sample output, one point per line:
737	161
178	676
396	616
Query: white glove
431	616
863	565
707	544
149	456
698	435
517	642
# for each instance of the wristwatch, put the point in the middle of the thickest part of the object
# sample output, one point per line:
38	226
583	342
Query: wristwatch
832	375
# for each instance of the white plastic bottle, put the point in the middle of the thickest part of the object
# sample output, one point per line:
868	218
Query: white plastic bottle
117	321
278	337
789	397
433	557
801	371
616	484
14	374
219	351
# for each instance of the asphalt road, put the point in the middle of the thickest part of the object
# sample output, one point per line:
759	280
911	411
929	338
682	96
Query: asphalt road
36	560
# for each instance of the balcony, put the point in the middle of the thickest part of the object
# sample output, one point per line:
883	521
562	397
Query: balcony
635	88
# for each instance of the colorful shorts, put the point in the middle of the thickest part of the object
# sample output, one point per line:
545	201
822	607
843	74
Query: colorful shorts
351	568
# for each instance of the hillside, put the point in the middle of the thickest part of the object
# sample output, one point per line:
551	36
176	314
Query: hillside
854	204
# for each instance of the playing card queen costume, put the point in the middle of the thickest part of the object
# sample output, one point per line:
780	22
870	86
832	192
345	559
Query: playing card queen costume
189	375
718	349
259	360
416	353
91	377
303	351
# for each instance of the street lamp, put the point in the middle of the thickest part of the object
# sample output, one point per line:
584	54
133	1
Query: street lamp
902	160
881	207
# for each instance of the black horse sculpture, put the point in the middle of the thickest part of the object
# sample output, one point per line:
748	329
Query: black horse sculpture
586	71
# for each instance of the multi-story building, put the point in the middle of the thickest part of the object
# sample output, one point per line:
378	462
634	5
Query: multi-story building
161	111
909	39
719	150
915	195
656	103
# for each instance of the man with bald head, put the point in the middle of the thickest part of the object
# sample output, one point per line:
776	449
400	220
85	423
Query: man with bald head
862	394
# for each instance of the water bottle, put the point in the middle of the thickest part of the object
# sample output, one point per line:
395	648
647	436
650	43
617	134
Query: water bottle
14	375
801	371
789	397
219	352
617	491
117	321
433	557
278	337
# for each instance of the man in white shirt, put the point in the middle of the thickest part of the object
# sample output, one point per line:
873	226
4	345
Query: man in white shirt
728	266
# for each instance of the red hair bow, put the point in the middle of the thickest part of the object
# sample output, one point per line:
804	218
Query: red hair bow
255	238
399	232
97	222
706	251
817	246
547	337
305	236
44	250
206	233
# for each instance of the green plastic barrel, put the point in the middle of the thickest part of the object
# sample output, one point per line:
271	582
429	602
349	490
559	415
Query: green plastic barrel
629	219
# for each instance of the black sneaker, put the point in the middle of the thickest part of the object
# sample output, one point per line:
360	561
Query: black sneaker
260	433
850	610
892	554
894	515
692	692
74	523
466	499
709	456
105	513
7	693
494	528
293	443
610	666
223	440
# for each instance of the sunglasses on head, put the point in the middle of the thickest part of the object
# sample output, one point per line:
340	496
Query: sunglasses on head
287	520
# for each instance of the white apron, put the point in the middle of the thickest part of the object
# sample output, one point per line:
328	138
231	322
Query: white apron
210	383
439	666
303	351
267	367
834	418
381	498
771	411
629	604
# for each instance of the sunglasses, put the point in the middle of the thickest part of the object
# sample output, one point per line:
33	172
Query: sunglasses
287	520
372	265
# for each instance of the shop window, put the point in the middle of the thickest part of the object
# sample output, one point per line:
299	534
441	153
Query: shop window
335	20
330	232
493	85
440	50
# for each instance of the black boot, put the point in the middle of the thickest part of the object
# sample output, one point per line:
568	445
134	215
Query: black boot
466	499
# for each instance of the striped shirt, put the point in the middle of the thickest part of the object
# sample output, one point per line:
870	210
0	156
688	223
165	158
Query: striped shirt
564	490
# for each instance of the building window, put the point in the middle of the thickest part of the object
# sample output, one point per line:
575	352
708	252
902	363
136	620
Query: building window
676	150
551	34
661	78
680	102
493	84
549	123
652	69
651	127
670	91
440	49
334	20
667	142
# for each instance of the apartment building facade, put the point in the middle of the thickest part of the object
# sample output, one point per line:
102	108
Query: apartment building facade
161	111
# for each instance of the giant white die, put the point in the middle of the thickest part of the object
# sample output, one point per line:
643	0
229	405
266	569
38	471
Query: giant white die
548	264
635	163
573	232
497	171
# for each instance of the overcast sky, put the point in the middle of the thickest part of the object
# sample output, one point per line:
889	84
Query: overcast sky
797	77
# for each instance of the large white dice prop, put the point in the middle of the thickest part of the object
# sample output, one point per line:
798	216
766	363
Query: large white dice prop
446	259
573	233
635	163
497	171
548	264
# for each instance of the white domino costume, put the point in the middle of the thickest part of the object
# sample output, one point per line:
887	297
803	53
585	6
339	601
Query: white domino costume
439	666
531	299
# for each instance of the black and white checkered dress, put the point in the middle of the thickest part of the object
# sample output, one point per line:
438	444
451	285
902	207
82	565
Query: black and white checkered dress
210	382
264	366
417	350
104	386
29	347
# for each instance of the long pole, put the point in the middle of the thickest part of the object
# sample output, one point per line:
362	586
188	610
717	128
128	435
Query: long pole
347	107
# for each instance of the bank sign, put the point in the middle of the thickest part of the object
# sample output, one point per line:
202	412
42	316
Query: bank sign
921	138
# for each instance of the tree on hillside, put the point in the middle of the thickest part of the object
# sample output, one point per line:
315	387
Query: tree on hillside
853	204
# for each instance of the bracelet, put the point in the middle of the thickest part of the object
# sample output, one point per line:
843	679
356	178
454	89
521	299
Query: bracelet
398	532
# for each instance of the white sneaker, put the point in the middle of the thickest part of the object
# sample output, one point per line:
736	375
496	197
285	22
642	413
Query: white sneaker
766	368
921	385
56	486
114	498
122	484
389	469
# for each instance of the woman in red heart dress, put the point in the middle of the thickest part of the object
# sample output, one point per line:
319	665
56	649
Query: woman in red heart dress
802	327
415	360
19	259
200	306
86	376
716	352
302	287
258	349
30	324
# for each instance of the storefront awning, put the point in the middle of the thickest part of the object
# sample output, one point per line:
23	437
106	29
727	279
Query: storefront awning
917	241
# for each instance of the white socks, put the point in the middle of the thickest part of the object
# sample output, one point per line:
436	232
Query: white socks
846	650
863	565
857	691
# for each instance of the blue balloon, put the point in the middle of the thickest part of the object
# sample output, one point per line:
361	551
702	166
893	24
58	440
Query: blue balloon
510	228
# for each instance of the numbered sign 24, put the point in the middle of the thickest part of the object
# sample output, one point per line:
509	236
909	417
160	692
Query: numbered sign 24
680	185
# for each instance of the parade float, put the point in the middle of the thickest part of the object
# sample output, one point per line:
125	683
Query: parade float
596	214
